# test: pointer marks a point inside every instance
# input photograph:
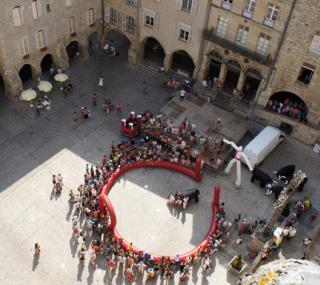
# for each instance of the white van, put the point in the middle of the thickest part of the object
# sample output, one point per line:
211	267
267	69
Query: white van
258	149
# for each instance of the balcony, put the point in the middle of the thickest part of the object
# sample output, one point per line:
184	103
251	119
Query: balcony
209	35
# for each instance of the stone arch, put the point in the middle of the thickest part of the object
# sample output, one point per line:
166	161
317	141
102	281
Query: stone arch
182	63
232	76
46	63
93	42
289	104
251	84
73	49
215	61
153	51
25	73
119	40
2	87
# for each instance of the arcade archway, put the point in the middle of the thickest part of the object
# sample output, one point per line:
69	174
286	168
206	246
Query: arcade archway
25	73
73	49
93	43
153	52
215	65
251	85
2	87
289	104
119	41
46	63
232	76
182	63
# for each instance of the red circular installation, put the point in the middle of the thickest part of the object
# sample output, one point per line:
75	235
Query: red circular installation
195	174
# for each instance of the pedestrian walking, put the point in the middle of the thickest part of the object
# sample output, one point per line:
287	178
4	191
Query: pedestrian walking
94	100
54	181
100	82
75	119
182	94
144	88
37	248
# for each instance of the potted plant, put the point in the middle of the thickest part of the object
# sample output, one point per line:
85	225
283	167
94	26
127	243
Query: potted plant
237	264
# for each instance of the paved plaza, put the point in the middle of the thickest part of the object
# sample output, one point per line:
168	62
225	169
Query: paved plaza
33	148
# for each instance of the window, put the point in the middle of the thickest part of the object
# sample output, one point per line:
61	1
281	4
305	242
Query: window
16	15
186	5
306	73
222	27
131	2
272	14
315	44
242	35
36	9
113	16
248	9
129	24
68	3
227	4
189	6
41	39
150	18
24	46
71	26
90	17
183	32
263	44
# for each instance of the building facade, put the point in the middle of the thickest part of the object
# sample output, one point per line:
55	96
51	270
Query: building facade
295	77
38	33
265	52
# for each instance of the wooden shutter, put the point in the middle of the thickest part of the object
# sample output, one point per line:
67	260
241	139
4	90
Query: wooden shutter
193	7
177	29
39	7
142	16
71	25
107	14
190	36
178	4
68	3
124	22
24	46
39	39
34	9
156	21
17	21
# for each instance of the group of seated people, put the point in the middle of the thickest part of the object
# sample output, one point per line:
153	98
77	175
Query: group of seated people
85	112
288	107
211	82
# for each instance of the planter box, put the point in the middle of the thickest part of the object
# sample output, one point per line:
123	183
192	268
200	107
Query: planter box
243	265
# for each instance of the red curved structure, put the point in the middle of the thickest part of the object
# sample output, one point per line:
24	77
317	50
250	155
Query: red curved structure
105	203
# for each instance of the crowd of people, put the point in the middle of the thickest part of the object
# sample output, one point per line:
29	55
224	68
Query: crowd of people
160	141
290	108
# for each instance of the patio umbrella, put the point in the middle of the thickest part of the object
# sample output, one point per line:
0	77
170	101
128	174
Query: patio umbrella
28	95
45	86
61	77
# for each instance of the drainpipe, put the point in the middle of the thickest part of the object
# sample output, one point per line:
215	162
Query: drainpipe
272	67
102	23
205	25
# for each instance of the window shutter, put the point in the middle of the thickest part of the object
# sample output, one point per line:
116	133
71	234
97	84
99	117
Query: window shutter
39	39
39	7
68	3
156	22
17	21
315	44
178	4
107	14
177	29
142	16
34	10
190	37
124	22
194	7
71	25
26	45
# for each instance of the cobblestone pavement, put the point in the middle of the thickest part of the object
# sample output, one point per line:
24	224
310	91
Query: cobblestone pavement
33	148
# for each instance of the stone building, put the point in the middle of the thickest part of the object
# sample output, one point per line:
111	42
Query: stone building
242	39
296	73
38	33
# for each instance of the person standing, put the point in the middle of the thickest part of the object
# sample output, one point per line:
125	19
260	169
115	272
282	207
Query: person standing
94	100
37	248
100	82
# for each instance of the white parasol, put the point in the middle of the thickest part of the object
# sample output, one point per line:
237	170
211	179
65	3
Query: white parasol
61	77
45	86
28	95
